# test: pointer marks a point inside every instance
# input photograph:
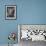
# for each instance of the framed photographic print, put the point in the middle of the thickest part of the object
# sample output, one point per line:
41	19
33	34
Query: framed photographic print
10	12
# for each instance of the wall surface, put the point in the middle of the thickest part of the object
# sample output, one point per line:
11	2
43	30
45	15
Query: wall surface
28	12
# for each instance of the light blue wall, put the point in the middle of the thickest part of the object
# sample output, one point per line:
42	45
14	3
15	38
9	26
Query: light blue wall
28	12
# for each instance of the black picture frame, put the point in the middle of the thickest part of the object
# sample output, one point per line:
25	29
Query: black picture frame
10	12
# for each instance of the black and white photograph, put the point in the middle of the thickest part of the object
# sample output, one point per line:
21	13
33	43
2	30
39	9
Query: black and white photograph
31	34
10	12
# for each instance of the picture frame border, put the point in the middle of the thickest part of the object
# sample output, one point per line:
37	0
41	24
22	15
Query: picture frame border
15	14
